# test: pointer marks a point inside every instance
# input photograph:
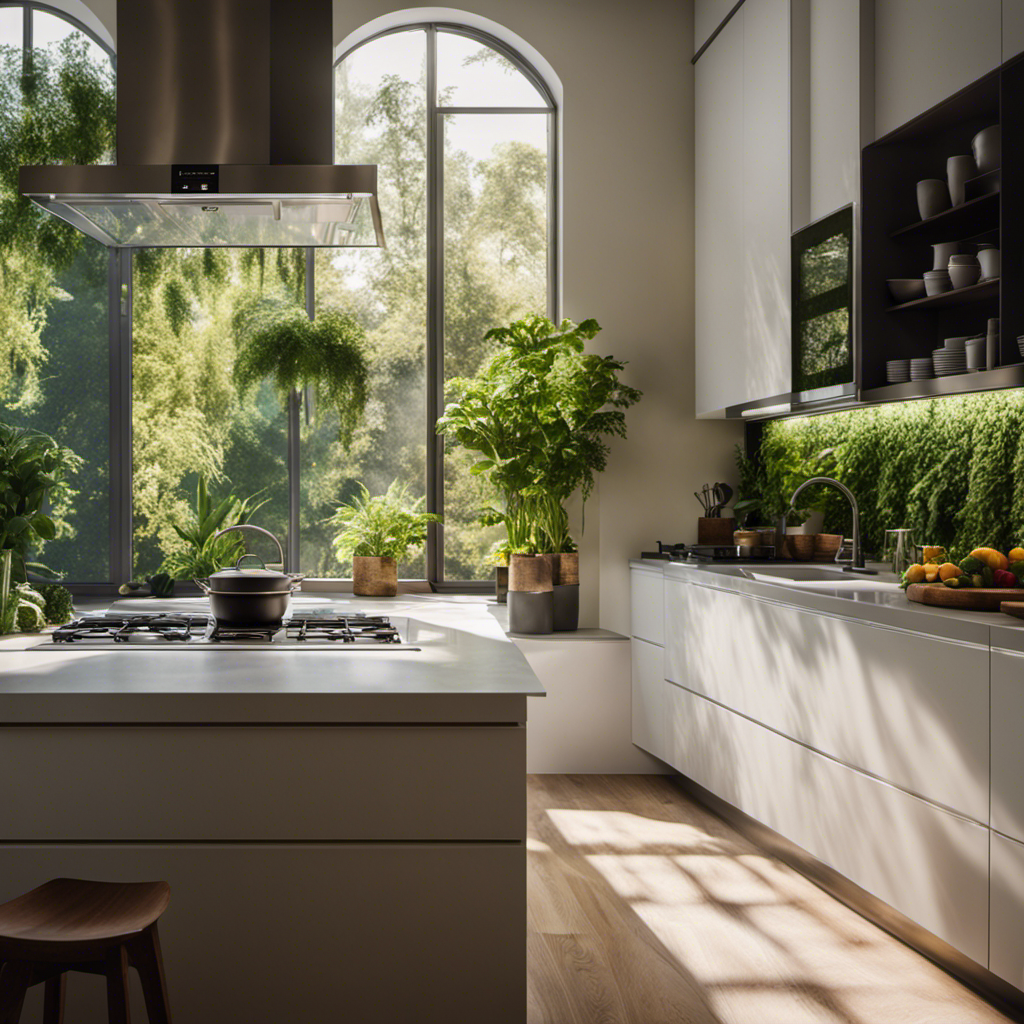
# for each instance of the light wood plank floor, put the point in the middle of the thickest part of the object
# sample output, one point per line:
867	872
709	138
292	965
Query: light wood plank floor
644	908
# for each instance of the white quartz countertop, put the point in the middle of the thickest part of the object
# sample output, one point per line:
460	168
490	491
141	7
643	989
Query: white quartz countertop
453	648
877	598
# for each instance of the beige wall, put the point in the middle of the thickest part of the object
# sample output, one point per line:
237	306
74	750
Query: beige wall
627	181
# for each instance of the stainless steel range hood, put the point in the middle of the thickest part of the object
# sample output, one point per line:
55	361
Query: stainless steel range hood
224	134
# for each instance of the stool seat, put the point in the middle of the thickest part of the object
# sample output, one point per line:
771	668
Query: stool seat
68	924
67	912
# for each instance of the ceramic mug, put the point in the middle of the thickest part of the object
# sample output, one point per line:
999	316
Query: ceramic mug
941	252
932	197
988	257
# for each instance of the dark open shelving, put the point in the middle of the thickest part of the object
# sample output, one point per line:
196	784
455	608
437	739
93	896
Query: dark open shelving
970	218
957	297
896	243
958	384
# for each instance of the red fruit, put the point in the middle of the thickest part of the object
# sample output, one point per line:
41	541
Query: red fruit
1002	578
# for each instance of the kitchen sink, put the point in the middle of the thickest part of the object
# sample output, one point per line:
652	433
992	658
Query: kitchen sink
795	572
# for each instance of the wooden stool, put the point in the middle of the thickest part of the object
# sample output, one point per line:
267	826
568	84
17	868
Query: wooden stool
96	927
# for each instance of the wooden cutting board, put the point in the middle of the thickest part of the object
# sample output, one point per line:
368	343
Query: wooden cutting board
968	599
1014	608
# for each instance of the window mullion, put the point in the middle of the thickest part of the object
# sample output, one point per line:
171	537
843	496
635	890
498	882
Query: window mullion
435	314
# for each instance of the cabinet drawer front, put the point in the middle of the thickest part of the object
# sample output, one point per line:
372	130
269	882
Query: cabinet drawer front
293	934
1006	939
648	605
911	709
649	697
264	783
1007	750
929	864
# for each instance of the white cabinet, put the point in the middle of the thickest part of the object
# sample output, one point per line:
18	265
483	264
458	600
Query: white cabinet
930	865
1007	750
742	218
1006	935
926	50
707	16
861	693
1013	29
647	597
648	703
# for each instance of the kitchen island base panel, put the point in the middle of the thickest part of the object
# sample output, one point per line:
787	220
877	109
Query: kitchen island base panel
310	933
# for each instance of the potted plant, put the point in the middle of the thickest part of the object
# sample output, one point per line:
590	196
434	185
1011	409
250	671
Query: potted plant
376	532
538	412
204	554
326	354
33	470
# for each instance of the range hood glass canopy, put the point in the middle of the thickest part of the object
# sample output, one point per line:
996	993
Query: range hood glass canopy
223	220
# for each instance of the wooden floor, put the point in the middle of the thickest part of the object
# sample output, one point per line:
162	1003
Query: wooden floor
645	908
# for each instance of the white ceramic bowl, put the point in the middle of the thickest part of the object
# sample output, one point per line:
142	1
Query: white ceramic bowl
906	289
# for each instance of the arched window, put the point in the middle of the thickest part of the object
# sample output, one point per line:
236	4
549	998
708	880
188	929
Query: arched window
463	132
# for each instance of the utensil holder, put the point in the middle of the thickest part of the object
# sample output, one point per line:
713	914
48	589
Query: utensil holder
715	531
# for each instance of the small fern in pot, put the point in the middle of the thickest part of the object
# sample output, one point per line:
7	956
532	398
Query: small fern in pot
376	533
328	354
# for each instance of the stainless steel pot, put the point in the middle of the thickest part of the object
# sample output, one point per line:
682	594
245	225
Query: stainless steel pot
250	594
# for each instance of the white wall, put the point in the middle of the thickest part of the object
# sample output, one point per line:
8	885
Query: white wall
628	150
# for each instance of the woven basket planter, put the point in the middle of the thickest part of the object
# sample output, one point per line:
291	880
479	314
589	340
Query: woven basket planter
567	569
530	574
374	576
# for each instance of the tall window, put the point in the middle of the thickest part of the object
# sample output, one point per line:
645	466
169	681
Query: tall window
54	340
130	357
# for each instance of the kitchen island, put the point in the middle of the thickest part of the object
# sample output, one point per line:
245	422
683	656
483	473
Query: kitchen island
878	736
343	830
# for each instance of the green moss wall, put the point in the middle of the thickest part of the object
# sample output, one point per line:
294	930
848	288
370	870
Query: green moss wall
951	468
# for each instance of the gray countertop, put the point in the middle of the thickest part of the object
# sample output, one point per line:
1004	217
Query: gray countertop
877	599
464	668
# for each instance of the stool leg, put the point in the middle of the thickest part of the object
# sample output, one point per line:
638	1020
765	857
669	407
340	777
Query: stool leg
117	986
14	982
147	959
53	999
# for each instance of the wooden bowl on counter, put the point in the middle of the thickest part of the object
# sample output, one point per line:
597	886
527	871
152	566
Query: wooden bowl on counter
799	546
826	546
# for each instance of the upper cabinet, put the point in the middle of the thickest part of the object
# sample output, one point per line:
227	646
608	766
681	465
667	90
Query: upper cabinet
707	16
1013	28
926	50
742	233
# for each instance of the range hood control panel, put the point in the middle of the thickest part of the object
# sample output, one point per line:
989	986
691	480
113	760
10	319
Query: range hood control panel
193	178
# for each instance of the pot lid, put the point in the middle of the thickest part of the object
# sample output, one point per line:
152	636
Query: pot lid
249	573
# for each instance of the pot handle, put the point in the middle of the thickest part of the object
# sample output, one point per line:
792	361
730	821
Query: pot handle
257	529
202	585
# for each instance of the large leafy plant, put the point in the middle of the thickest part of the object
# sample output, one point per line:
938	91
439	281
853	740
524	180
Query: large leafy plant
327	354
386	525
204	552
538	412
33	470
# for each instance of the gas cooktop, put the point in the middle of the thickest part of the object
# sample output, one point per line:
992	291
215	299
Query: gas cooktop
337	632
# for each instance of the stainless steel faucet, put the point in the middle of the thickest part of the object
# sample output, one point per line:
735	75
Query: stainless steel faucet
857	560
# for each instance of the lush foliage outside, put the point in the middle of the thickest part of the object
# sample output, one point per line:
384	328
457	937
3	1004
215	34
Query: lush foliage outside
950	468
53	283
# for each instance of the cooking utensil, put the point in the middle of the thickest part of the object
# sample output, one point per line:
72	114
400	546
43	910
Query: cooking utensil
250	594
724	492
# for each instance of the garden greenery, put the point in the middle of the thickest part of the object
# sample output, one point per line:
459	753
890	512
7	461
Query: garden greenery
385	526
950	468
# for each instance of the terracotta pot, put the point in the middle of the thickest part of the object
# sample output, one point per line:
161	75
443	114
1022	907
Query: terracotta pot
715	531
530	574
374	576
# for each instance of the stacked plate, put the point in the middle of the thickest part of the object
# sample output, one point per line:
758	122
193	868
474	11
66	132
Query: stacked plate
949	361
1020	345
897	371
921	369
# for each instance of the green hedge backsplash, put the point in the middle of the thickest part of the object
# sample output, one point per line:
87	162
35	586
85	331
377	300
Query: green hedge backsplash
951	468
